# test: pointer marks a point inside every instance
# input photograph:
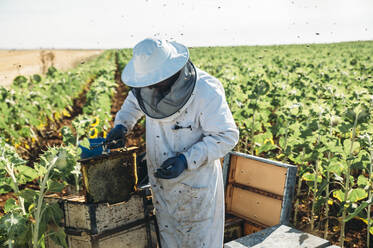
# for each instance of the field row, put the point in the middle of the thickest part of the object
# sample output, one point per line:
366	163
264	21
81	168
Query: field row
308	105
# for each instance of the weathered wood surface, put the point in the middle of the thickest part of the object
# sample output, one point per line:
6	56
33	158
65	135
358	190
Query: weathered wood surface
102	225
279	236
135	237
97	218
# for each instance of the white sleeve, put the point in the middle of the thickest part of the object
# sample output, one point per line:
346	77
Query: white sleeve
129	113
220	133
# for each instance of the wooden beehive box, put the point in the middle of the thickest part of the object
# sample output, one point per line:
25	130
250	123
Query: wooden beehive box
96	218
258	190
110	177
135	236
101	225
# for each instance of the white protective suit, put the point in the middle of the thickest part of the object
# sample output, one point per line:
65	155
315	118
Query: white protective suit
189	208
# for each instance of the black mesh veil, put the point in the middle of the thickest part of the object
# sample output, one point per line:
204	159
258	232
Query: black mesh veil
159	104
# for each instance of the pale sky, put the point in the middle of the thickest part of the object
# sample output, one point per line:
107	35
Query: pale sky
91	24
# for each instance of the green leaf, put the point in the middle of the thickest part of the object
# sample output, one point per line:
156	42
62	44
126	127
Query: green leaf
67	136
362	206
85	143
362	181
5	185
28	172
19	81
10	205
311	177
335	167
54	213
266	147
54	186
28	194
59	237
13	225
281	142
37	78
345	127
356	195
347	146
339	194
40	168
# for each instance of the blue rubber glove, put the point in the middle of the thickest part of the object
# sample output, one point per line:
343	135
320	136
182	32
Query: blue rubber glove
116	138
92	152
172	167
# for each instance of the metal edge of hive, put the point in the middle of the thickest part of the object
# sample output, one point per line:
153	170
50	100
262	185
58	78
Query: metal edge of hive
289	189
226	167
112	154
264	160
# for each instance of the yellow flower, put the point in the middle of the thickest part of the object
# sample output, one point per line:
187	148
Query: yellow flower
336	228
27	146
96	122
362	219
280	156
330	202
41	126
104	134
16	145
56	116
33	140
269	140
93	132
66	113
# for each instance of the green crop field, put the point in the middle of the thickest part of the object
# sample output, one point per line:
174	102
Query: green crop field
306	105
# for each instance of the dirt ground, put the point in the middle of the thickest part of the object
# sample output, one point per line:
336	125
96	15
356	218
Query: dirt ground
29	62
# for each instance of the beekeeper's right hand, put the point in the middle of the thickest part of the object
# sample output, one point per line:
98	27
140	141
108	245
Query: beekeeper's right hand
116	138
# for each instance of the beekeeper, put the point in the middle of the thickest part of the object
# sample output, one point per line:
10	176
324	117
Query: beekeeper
188	128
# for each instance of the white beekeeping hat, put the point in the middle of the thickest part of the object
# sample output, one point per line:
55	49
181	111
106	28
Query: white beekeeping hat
154	60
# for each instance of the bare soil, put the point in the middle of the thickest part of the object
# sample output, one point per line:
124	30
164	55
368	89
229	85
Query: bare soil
29	62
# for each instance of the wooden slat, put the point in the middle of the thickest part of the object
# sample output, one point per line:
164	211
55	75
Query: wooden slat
232	170
252	206
267	177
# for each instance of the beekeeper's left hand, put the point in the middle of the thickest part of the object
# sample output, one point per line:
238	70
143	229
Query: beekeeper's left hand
172	167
